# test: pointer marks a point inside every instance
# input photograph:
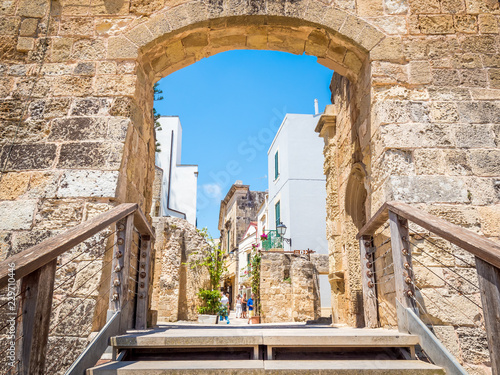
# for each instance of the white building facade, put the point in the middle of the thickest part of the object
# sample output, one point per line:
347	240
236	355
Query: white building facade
179	185
297	189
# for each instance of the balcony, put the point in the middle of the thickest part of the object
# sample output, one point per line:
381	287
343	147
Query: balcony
273	241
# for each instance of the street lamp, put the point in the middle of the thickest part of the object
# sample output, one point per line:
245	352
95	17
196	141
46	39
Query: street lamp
281	229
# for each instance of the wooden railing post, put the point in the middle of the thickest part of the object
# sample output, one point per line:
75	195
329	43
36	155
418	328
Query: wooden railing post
401	257
120	268
368	280
489	284
33	327
141	315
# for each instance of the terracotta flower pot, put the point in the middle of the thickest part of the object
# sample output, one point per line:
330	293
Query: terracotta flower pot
255	320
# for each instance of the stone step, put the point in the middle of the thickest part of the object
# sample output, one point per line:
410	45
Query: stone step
258	367
273	337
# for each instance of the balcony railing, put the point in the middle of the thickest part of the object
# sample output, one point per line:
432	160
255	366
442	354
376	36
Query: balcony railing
273	241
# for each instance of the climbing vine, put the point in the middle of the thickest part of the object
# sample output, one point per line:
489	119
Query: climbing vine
256	260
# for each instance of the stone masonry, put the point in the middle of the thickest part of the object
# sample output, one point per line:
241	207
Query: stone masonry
176	282
289	287
417	108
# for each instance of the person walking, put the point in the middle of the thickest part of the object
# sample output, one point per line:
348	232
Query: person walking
244	307
250	304
238	306
224	313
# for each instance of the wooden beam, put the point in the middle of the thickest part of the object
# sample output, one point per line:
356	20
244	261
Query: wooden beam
474	243
489	285
401	258
368	280
375	222
120	269
141	312
31	259
142	224
36	304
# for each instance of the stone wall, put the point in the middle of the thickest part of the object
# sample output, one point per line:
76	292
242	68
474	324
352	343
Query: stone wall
176	282
289	287
421	125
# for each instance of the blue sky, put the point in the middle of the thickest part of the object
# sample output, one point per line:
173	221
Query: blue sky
230	106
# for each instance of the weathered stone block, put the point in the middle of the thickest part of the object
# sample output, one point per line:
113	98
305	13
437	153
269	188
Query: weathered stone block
25	44
420	72
90	107
77	26
479	43
30	156
485	162
426	189
83	183
85	69
78	128
13	185
389	49
488	24
436	24
115	85
478	112
59	213
121	48
43	184
32	8
396	6
117	129
60	49
72	86
90	155
474	136
16	215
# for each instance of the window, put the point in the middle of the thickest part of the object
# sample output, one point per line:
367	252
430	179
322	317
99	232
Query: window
249	261
276	166
277	214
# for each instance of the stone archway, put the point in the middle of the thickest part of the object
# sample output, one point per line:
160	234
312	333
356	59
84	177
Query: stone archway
422	97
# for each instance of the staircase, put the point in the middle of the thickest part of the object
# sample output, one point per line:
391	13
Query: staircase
264	349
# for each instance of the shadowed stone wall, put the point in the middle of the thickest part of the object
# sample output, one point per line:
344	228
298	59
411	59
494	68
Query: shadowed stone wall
424	78
175	282
289	287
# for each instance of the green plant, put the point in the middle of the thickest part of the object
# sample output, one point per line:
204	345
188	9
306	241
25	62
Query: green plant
288	280
211	301
213	260
157	126
256	259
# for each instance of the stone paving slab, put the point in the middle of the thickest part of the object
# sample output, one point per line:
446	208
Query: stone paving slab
272	336
254	367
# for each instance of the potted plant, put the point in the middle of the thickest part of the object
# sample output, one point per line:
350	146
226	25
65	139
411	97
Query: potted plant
263	236
213	260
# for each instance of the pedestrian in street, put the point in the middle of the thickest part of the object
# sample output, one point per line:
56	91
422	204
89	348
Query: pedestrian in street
224	313
238	306
250	307
244	307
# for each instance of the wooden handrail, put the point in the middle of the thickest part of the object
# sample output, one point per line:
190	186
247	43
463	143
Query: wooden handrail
37	256
478	245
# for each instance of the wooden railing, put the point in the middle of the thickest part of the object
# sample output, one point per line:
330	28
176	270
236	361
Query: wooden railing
35	268
398	232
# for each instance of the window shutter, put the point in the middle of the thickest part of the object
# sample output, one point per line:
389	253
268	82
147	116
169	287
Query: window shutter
276	166
277	213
